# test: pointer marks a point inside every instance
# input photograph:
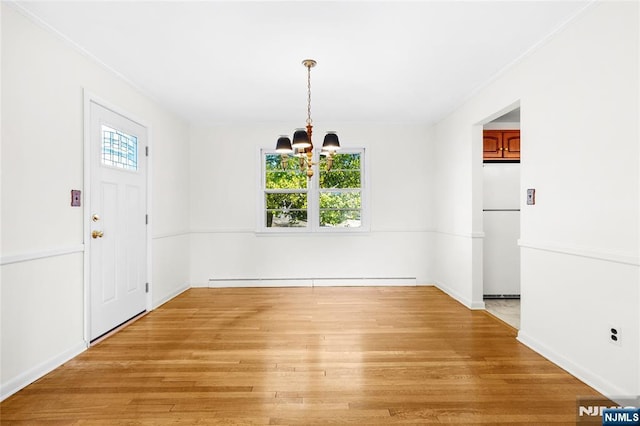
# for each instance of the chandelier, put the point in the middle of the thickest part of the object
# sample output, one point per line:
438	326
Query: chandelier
302	146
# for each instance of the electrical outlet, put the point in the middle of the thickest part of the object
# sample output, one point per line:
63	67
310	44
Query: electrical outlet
615	335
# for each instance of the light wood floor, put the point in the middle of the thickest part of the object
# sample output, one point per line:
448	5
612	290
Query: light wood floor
378	355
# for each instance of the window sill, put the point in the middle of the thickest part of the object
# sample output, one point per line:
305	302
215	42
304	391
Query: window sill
312	233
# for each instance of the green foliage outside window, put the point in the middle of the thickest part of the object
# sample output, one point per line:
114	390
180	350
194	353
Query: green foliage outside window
345	172
289	178
341	208
287	208
340	200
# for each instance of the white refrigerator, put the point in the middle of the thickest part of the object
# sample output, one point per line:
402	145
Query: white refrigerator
501	225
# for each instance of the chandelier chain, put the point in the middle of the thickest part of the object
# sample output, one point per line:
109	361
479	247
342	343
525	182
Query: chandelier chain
309	121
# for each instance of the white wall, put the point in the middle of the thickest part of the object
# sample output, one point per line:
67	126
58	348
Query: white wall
456	237
43	78
225	190
579	97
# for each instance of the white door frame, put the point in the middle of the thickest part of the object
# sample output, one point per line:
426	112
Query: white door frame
88	99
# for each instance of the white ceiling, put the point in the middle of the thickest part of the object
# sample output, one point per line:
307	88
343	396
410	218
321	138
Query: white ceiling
240	61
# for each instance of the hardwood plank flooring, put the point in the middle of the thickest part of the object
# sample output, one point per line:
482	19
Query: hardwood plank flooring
359	355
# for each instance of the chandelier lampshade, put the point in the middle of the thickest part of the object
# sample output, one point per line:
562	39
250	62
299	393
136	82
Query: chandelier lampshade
331	142
283	145
301	139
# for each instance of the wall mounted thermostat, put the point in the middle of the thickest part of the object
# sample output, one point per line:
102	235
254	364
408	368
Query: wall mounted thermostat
531	197
76	196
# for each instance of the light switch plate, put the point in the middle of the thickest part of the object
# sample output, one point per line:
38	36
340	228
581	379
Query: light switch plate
76	197
531	197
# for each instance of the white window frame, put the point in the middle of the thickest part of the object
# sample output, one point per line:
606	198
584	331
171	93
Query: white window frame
313	200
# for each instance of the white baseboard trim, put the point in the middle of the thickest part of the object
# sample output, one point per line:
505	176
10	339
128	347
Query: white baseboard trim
477	306
598	383
171	295
364	282
269	282
30	376
457	296
312	282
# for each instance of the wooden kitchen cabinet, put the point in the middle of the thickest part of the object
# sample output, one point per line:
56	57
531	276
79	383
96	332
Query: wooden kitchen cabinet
501	145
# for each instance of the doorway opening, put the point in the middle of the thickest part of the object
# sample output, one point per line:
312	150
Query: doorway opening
501	217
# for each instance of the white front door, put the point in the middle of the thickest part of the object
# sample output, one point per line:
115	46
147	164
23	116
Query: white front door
118	208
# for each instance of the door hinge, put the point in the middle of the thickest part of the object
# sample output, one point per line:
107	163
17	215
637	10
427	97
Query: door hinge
146	151
146	219
146	287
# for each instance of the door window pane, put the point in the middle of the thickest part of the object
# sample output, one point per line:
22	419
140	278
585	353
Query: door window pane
119	149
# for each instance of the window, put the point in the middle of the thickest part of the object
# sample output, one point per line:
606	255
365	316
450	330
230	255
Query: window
285	193
119	149
331	199
340	191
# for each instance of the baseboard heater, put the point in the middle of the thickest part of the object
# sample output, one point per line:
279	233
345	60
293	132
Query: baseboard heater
313	282
501	296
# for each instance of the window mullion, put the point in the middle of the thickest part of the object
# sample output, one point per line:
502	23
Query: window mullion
313	201
285	191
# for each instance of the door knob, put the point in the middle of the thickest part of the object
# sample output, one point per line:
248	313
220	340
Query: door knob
97	234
